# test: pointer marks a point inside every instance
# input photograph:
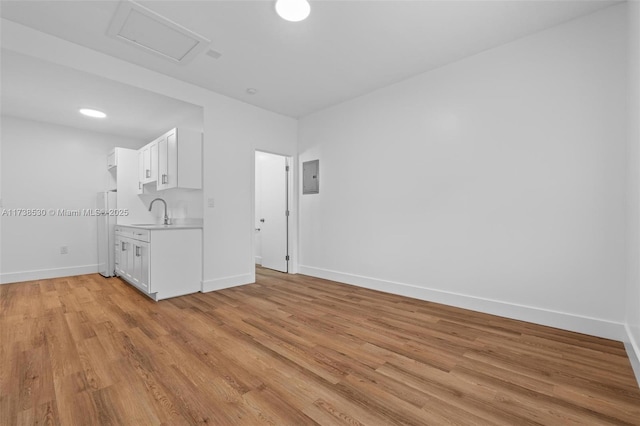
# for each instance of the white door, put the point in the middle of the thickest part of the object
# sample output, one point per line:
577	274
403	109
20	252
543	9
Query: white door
272	214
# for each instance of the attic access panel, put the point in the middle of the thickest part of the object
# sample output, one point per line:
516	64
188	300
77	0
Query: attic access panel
311	177
143	28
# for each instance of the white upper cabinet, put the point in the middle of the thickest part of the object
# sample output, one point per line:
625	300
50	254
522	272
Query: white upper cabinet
112	159
141	171
180	159
167	166
148	159
174	160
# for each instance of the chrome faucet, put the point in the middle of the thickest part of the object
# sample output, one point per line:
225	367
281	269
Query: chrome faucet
166	218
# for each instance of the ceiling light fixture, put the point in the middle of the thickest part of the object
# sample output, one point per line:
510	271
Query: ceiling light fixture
252	91
293	10
94	113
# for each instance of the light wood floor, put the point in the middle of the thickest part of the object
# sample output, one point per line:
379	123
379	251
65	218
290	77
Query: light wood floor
292	350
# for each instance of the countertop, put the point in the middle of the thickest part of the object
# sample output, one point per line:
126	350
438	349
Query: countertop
161	227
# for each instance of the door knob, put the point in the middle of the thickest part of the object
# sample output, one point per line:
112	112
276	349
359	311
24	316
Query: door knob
262	220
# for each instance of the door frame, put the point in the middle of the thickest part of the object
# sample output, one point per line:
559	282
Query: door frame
292	222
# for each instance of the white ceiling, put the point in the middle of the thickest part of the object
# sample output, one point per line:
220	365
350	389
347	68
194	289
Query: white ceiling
42	91
343	50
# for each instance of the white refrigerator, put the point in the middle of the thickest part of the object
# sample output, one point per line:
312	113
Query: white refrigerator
106	233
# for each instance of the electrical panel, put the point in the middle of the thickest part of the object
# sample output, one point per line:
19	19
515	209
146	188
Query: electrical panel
311	177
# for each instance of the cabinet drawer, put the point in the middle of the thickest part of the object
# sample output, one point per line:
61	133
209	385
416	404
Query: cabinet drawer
141	235
123	231
135	233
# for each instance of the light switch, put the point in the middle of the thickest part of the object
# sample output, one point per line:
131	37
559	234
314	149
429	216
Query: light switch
210	203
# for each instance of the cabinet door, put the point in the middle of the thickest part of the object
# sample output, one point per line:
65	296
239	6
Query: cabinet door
168	161
162	163
140	171
140	269
122	257
146	164
143	269
112	160
118	252
153	161
129	251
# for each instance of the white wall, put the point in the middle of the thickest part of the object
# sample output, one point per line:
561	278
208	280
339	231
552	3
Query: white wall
45	166
239	130
232	132
496	183
633	289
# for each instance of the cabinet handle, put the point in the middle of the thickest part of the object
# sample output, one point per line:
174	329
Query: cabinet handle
124	247
148	173
139	185
164	179
137	251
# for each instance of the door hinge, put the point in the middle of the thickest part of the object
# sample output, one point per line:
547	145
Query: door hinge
286	213
287	258
286	168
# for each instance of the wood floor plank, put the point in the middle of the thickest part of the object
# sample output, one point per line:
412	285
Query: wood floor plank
146	401
73	400
292	350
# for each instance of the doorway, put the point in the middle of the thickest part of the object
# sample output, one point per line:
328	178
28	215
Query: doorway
272	211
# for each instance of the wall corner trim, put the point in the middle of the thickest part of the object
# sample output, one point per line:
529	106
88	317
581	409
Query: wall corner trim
562	320
633	352
227	282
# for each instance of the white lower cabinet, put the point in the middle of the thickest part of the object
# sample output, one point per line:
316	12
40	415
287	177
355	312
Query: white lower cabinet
162	263
132	256
139	261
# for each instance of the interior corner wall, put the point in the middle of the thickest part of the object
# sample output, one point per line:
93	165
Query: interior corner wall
50	167
495	183
633	217
233	130
237	131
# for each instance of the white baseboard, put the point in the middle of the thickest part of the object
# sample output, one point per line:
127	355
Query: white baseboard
566	321
633	352
258	260
227	282
43	274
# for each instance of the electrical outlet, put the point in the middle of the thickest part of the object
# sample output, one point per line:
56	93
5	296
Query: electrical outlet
210	202
64	250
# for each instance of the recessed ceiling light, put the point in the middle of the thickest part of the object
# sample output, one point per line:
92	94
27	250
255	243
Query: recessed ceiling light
293	10
252	91
94	113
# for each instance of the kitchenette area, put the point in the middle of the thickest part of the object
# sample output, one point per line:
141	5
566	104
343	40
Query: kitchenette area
55	162
150	226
